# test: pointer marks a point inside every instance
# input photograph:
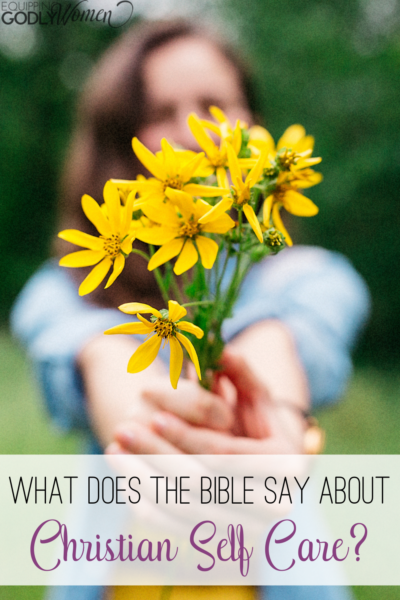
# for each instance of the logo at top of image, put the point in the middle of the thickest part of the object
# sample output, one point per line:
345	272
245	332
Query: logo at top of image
61	13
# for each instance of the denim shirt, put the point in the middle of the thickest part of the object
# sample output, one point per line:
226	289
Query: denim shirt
317	294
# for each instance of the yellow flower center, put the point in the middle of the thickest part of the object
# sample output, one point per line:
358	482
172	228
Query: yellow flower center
174	183
111	245
164	328
243	197
287	158
280	191
190	229
274	238
219	159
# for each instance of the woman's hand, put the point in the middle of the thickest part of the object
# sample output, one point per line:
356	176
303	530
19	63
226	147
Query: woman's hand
254	407
267	401
259	427
123	404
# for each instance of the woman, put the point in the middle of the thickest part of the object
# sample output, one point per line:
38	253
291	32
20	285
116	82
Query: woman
295	322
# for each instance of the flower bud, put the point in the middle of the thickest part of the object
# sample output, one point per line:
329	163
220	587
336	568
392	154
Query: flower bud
274	240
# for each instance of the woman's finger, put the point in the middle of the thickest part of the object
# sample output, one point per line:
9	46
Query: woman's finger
238	371
139	439
193	404
199	440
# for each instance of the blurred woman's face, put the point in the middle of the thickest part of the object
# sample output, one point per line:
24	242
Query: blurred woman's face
183	76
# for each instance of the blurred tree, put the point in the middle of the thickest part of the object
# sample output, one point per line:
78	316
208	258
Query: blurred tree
37	94
333	65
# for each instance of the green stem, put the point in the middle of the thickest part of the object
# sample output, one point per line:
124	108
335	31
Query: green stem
160	280
176	290
140	253
199	303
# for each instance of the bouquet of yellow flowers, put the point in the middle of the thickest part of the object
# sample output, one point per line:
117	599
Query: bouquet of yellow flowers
199	253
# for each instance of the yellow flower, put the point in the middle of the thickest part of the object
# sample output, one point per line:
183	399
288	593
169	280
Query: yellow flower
217	157
288	196
165	325
241	191
304	179
223	127
180	231
293	150
110	248
171	170
126	186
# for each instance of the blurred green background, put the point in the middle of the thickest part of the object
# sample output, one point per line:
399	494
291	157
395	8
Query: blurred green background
332	65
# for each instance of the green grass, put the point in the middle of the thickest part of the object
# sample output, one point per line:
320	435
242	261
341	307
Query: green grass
24	425
365	422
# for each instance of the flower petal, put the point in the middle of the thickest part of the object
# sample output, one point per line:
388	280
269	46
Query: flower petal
176	361
156	235
145	321
208	251
113	203
187	258
170	158
126	246
248	163
218	114
191	167
259	137
127	215
291	137
208	191
130	329
276	217
220	225
81	239
147	158
183	201
222	178
147	186
306	179
160	212
299	205
190	328
94	213
234	167
144	355
95	277
237	138
119	264
175	311
201	136
217	210
255	173
211	126
165	253
187	344
267	210
254	222
82	258
307	143
308	162
132	308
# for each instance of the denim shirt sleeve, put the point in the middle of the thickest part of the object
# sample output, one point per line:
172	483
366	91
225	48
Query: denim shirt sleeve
317	294
324	303
53	323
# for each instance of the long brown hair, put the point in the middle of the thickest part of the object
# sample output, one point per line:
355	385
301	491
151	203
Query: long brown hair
109	114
